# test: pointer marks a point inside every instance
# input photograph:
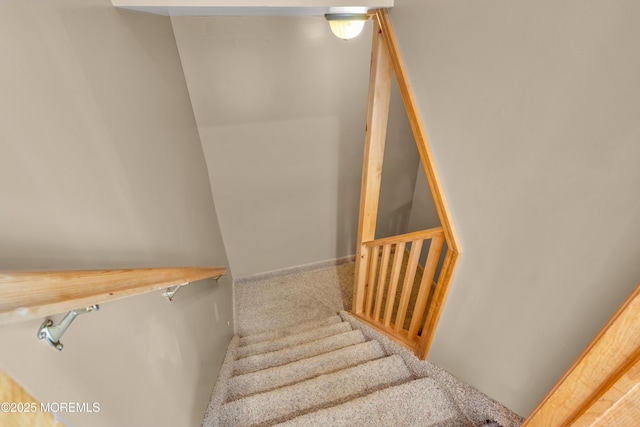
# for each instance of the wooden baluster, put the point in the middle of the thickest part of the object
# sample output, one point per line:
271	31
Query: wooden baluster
393	284
407	286
384	267
425	285
371	280
437	303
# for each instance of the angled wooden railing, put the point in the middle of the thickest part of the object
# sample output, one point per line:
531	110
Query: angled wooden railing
27	295
385	61
388	299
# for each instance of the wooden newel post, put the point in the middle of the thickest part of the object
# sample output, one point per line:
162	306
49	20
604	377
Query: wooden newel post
375	135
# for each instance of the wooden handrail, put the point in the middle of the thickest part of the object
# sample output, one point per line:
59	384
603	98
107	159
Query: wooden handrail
603	380
407	237
27	295
411	107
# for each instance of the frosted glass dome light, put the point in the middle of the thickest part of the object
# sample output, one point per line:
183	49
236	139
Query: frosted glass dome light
346	25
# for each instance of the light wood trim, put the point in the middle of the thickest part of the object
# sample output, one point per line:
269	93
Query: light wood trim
407	237
604	359
371	280
442	208
380	78
605	408
12	392
32	294
437	304
425	285
382	281
360	281
625	413
393	282
385	51
407	286
389	330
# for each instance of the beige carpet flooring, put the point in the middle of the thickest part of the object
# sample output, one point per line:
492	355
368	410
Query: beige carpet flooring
269	360
279	301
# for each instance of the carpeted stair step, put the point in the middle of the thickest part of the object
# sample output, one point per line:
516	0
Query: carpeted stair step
287	402
292	340
418	403
294	372
291	354
289	330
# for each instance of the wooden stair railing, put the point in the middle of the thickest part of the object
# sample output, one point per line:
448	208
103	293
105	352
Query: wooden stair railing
383	287
27	295
385	61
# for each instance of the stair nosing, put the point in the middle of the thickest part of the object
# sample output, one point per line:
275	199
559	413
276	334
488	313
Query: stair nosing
372	343
403	374
407	384
356	332
306	336
327	405
301	327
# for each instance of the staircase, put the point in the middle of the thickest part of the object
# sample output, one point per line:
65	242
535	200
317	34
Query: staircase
323	372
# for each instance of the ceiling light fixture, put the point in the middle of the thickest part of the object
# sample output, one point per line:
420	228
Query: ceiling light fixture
346	25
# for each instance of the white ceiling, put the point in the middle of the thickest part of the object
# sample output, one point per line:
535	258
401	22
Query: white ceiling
251	7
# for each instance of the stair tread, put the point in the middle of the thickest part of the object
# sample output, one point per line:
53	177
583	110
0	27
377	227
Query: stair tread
302	351
418	403
288	330
308	384
292	340
300	370
289	401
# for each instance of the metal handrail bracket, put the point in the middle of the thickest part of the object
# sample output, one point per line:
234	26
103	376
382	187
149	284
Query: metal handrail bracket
53	333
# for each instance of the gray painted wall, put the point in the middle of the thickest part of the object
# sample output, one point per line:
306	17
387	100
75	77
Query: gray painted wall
281	110
101	167
532	113
423	213
399	170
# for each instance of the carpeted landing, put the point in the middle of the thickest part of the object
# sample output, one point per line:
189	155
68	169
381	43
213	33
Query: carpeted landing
324	373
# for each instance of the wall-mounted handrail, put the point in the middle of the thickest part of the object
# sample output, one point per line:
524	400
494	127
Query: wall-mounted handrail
26	295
